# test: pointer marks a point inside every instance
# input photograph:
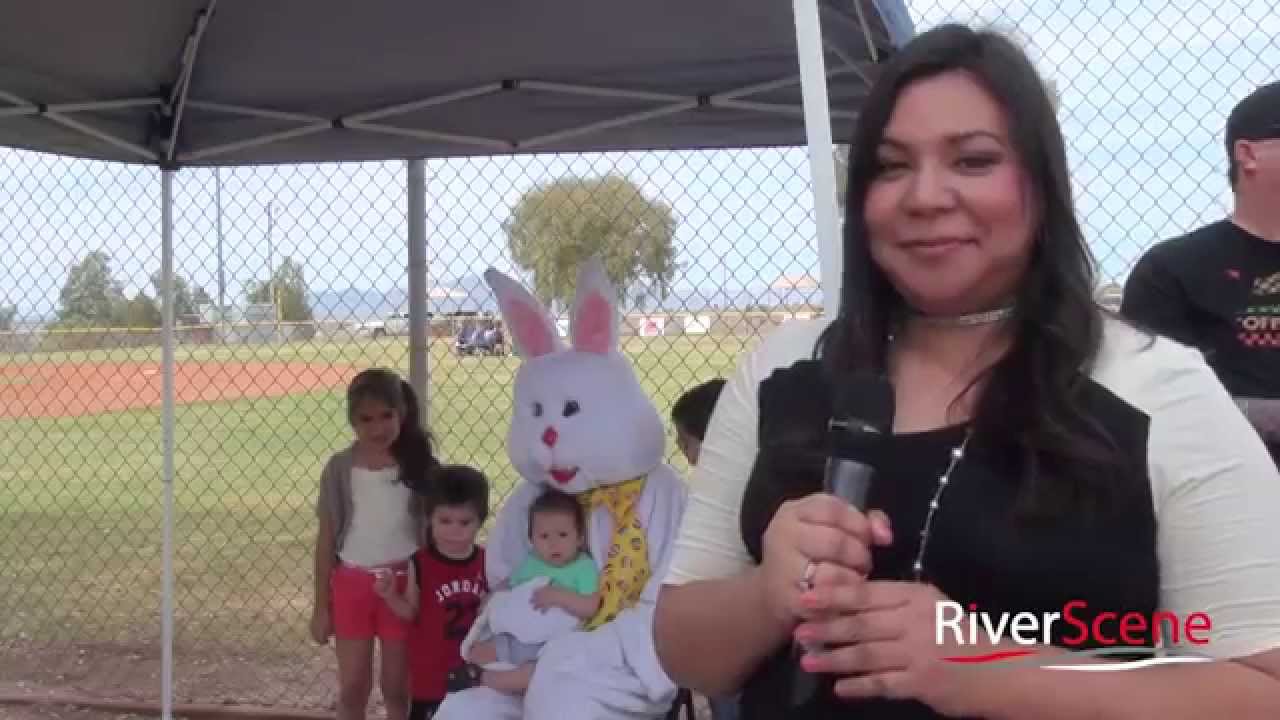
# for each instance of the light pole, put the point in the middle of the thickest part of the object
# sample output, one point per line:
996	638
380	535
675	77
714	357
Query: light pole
271	265
222	278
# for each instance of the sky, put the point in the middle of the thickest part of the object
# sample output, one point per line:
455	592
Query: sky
1145	88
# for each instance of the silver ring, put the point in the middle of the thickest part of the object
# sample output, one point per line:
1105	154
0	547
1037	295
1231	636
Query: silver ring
810	570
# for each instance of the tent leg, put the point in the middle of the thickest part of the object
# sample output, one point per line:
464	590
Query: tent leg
419	336
167	421
822	169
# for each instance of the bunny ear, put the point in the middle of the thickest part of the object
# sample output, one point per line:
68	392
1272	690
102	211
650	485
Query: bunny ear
593	323
532	331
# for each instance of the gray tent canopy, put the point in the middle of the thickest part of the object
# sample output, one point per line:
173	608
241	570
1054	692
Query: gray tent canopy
241	82
203	83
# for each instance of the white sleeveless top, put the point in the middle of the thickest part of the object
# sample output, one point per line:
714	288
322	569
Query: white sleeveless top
382	531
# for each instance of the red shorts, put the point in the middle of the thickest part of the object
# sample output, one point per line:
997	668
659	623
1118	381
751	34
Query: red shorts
358	612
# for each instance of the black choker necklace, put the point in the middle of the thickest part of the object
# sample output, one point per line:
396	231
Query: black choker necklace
979	318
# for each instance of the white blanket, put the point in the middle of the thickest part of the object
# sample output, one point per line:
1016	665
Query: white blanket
512	612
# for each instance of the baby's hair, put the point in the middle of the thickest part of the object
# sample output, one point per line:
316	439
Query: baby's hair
458	485
692	412
555	501
412	448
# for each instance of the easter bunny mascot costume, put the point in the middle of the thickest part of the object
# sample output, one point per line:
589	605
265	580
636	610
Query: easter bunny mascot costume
581	423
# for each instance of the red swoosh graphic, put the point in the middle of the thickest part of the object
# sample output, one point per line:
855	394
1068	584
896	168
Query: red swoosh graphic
993	657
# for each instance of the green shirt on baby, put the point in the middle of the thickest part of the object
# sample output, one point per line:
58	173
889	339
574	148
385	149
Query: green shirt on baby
580	576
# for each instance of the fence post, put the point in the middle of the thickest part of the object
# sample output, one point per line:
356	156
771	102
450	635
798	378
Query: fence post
822	167
167	433
419	335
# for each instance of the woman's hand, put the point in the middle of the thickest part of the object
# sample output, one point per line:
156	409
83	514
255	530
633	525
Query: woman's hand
820	539
881	638
321	625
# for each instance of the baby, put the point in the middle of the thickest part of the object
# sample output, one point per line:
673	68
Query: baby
557	531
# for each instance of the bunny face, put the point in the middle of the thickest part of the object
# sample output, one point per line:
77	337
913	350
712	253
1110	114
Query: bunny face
580	418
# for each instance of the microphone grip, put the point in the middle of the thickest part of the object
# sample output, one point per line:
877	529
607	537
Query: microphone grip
850	481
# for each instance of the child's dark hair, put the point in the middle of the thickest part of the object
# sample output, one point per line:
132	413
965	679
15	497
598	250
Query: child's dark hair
692	411
413	446
555	501
456	485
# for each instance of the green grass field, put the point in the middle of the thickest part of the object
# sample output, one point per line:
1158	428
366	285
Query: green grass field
80	544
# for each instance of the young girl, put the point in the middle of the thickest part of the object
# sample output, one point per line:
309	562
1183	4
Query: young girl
369	528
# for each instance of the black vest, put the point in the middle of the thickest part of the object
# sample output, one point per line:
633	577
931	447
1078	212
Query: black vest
978	551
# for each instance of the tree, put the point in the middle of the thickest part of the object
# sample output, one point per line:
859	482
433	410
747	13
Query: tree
7	315
91	295
185	301
289	286
556	227
142	312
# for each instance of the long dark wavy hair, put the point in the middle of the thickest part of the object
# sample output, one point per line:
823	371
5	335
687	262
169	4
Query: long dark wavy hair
412	448
1031	404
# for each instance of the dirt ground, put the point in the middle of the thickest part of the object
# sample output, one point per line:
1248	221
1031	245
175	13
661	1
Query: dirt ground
122	673
118	672
52	390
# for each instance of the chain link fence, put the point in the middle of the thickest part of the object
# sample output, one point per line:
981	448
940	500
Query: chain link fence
291	279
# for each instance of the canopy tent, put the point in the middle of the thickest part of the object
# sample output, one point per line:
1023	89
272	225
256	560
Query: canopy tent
237	82
203	83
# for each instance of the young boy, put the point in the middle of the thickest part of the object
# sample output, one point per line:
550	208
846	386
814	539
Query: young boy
557	531
448	586
692	413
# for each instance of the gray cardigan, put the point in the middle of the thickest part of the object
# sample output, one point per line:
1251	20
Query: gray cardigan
335	497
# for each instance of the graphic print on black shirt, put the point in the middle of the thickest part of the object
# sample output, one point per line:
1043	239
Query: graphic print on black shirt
1216	289
1259	324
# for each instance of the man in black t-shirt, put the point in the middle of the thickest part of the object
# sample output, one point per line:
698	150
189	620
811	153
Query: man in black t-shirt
1218	287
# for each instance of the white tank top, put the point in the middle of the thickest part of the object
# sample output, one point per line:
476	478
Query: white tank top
382	530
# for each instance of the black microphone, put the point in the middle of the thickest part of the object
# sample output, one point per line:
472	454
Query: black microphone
861	415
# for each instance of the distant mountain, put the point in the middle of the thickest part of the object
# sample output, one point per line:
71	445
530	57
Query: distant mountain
471	294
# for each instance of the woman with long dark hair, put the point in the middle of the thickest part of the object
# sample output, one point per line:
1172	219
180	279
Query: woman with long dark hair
1044	457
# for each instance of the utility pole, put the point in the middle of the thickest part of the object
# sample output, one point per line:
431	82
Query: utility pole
222	278
271	266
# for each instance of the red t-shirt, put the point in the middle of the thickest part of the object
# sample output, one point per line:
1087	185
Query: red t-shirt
450	592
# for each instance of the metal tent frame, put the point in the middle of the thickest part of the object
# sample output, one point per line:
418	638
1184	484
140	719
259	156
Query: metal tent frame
173	111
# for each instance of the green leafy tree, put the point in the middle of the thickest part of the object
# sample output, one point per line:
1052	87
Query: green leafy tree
289	287
556	227
91	295
7	315
185	300
142	312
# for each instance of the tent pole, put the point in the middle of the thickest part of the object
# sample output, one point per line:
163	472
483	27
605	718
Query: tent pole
822	168
419	335
167	421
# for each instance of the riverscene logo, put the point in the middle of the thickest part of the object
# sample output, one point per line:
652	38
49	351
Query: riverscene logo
1083	647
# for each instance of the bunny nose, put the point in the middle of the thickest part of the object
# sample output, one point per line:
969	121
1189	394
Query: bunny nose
549	437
